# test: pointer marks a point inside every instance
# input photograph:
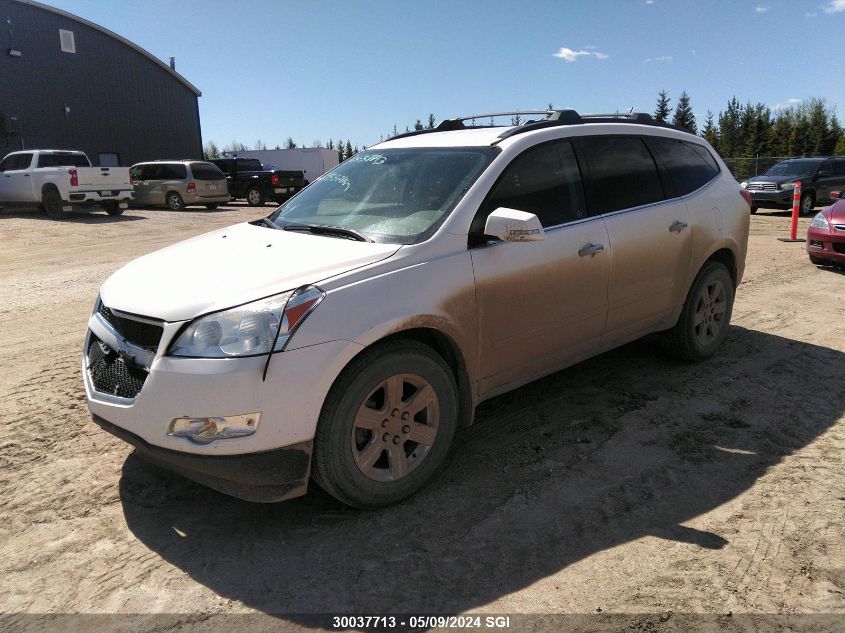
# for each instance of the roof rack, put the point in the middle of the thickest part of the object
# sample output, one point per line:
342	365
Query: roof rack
553	118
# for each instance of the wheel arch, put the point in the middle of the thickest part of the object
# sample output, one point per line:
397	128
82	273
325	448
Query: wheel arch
446	347
727	258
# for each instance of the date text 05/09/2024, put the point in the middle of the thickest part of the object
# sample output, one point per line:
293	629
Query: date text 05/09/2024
382	622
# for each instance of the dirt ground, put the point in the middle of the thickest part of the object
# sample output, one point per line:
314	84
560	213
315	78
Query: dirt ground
626	484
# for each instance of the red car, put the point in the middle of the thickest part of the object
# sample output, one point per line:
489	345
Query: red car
826	235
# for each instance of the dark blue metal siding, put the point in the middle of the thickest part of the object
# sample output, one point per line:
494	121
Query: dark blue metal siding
120	101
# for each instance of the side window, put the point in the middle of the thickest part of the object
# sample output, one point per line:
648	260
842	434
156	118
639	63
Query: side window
151	172
839	167
826	168
22	161
136	172
173	171
8	163
686	168
622	173
544	180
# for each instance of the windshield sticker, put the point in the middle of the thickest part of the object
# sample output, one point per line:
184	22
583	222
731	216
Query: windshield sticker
373	159
343	181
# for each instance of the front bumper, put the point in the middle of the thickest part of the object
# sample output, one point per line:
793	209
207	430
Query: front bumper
781	199
265	477
826	244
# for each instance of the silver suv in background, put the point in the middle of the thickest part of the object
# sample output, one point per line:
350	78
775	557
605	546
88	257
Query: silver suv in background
345	337
177	184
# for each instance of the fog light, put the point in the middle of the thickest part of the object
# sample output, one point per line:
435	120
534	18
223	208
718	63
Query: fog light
206	430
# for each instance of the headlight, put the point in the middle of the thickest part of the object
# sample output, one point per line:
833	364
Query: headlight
788	185
820	222
250	329
743	184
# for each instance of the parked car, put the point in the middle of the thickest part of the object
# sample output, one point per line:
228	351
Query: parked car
56	181
826	233
257	183
347	335
180	183
818	177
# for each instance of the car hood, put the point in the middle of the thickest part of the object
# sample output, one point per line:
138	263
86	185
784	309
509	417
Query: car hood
229	267
778	180
836	213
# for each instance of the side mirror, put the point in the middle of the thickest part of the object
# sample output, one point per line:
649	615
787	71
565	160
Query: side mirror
510	225
835	195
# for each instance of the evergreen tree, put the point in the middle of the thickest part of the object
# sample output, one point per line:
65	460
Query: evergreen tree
340	154
290	143
684	117
839	150
710	132
662	111
330	144
211	150
516	120
430	121
418	125
729	124
349	152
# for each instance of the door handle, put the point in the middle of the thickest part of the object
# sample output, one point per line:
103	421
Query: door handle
677	226
590	249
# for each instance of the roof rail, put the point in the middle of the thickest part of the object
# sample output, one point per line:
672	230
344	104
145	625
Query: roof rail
553	118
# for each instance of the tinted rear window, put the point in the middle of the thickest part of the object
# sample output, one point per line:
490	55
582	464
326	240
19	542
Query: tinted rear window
164	171
248	165
685	164
63	160
206	171
622	172
839	167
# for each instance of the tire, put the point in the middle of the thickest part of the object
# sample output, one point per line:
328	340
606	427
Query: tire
212	207
354	450
113	208
174	201
753	210
807	203
693	341
40	208
818	261
255	197
52	201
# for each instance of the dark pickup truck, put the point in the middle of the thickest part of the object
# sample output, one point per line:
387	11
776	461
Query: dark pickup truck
249	179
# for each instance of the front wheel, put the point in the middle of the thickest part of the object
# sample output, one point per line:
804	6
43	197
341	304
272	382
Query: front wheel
807	203
705	317
754	210
818	261
255	197
211	207
386	426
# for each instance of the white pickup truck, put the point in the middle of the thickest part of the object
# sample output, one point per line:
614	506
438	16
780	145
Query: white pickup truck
58	180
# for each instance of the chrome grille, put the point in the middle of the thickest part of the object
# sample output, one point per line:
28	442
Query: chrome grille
762	186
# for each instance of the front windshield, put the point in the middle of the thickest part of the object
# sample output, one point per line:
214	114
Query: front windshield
397	196
797	168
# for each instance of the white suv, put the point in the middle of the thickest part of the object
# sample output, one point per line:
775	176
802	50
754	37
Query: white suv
348	335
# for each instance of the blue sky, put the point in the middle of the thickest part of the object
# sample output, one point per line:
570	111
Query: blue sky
269	69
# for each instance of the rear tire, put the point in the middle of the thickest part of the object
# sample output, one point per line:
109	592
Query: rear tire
753	210
365	449
818	261
53	205
807	203
255	197
705	317
211	207
113	208
174	201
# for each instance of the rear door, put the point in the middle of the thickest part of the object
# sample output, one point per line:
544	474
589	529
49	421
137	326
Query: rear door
826	181
139	184
17	179
209	180
540	305
648	232
839	177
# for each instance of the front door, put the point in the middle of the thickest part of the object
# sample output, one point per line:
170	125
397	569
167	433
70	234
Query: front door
16	185
540	305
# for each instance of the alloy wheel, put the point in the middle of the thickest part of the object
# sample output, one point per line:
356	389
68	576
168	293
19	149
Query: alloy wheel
710	308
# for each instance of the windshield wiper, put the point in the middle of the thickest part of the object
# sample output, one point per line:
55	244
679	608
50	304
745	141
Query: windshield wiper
326	229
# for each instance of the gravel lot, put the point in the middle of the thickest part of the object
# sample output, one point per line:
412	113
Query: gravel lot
626	484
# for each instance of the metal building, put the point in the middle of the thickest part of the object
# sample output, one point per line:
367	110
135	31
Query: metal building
66	83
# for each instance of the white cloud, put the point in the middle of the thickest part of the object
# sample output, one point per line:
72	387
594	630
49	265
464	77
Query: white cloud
835	6
761	9
569	55
810	14
649	1
662	58
787	104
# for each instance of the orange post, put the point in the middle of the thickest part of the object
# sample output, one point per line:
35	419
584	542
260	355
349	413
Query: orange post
796	206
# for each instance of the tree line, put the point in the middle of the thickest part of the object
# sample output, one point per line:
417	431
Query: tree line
752	136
